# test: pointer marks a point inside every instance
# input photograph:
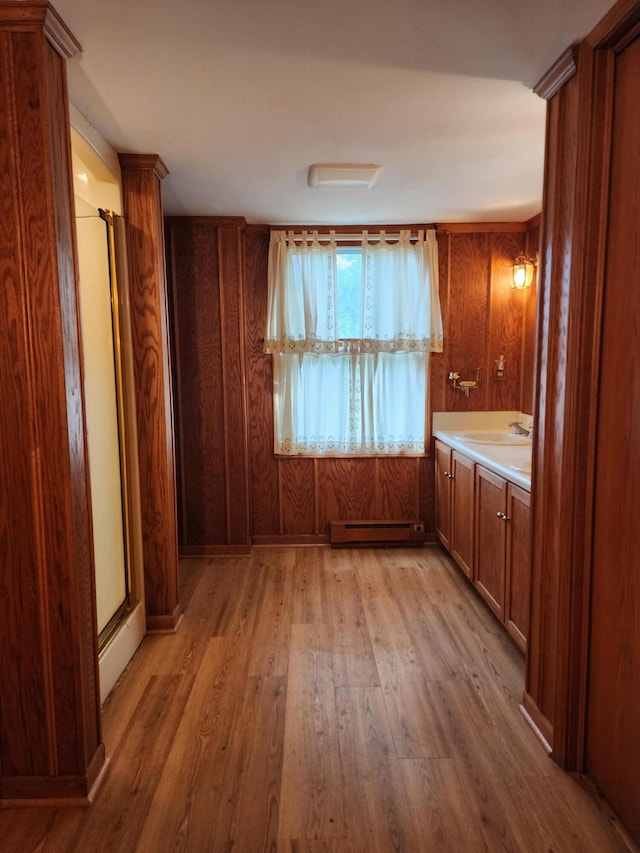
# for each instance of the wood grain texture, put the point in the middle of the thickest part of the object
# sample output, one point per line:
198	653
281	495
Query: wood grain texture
398	488
344	490
263	473
237	472
506	326
577	222
210	395
530	320
141	175
613	736
199	396
209	755
518	574
462	502
297	496
467	318
50	729
490	539
549	535
442	464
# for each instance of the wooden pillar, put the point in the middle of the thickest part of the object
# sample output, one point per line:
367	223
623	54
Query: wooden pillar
50	737
141	176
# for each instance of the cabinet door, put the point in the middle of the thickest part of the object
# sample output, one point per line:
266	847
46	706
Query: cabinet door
518	568
443	493
462	485
491	537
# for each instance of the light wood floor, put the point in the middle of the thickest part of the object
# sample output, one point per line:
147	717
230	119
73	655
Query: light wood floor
318	700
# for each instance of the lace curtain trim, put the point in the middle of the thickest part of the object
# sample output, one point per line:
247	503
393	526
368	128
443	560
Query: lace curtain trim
291	346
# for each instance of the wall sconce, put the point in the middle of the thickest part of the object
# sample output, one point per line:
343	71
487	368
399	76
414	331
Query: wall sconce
522	272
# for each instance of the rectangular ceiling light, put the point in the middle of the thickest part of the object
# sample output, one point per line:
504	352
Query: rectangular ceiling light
343	175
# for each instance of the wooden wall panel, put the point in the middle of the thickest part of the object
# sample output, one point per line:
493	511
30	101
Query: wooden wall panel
483	318
297	497
345	490
506	325
209	340
284	500
467	318
263	475
233	377
202	496
50	722
397	488
141	176
612	732
530	319
581	685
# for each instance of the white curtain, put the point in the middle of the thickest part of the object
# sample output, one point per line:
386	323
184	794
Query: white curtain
362	395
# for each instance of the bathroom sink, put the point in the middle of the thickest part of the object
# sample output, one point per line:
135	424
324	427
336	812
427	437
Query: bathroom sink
522	469
495	437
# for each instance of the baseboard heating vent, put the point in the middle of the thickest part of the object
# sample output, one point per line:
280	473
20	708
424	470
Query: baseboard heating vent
401	532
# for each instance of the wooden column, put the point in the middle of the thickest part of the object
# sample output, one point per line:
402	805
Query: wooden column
50	737
141	176
581	219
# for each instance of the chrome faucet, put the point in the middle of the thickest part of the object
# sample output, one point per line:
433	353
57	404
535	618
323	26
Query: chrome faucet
519	429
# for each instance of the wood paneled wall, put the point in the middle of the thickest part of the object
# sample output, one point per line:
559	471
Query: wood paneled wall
294	499
141	176
483	317
585	609
50	736
206	272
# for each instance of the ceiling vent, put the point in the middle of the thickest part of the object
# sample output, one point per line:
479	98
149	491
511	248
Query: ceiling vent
343	175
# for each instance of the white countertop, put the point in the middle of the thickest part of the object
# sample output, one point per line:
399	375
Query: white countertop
513	462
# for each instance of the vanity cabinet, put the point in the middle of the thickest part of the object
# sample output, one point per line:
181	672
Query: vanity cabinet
455	505
483	521
503	551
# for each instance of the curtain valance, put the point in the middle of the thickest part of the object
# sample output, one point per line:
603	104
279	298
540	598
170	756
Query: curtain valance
398	307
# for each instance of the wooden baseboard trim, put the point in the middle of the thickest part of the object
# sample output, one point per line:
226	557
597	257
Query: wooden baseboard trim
540	725
55	792
195	551
164	623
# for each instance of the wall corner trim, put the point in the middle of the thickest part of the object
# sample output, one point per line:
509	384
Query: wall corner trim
562	70
144	162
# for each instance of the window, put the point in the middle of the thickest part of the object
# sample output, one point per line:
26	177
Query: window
350	329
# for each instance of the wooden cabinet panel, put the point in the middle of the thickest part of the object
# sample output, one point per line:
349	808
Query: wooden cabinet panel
518	566
462	506
484	522
491	538
443	493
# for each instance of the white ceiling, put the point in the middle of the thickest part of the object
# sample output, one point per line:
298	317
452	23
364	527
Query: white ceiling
239	97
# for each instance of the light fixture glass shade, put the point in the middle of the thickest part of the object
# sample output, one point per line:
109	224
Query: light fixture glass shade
343	175
522	272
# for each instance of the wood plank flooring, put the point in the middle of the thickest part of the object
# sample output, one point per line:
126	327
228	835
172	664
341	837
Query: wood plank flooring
325	701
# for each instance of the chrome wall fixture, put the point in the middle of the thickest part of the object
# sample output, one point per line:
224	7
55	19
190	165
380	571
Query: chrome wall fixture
464	385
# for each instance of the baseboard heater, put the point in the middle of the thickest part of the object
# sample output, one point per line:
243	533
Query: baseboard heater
401	532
